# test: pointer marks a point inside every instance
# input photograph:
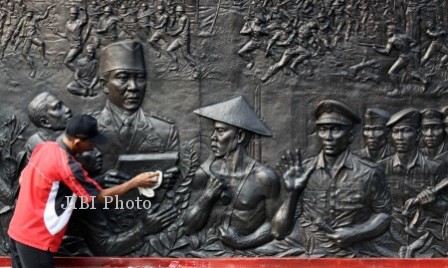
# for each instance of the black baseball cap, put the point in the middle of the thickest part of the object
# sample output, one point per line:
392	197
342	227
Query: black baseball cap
84	126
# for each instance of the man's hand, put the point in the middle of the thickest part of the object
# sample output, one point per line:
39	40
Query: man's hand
145	179
426	196
343	237
156	219
294	176
214	189
169	177
229	236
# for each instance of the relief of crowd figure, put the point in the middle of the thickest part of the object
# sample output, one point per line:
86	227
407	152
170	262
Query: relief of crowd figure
346	24
164	25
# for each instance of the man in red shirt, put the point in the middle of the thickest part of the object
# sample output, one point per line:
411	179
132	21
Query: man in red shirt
50	179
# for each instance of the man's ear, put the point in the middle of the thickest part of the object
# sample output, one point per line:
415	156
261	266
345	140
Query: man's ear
44	123
103	84
241	136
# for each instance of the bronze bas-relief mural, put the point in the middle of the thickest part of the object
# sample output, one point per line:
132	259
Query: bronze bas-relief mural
218	95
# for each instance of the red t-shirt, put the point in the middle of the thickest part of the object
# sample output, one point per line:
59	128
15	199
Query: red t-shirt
44	206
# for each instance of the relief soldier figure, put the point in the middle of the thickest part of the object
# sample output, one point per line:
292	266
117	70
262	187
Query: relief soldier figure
443	157
409	174
73	33
438	43
160	29
404	45
182	39
345	200
433	133
375	135
108	27
144	17
296	52
255	27
407	171
27	28
11	22
230	184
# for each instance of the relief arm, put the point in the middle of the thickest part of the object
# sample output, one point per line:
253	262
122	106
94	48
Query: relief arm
163	23
294	181
197	216
45	15
374	226
385	51
182	25
260	237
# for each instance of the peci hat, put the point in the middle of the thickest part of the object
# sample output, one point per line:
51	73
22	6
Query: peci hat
335	112
85	127
409	116
124	55
235	112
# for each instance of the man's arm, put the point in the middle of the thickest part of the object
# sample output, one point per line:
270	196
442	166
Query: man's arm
93	226
145	179
19	28
374	226
385	51
182	24
45	15
163	23
295	180
205	191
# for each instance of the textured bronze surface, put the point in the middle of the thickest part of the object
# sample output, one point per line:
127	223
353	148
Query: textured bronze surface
282	75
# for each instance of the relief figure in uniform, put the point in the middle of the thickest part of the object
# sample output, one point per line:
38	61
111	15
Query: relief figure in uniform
128	128
375	135
409	175
433	133
344	199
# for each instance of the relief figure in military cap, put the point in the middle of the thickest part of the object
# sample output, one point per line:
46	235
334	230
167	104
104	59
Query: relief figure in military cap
409	174
344	199
182	39
404	44
375	135
232	192
73	33
27	29
433	133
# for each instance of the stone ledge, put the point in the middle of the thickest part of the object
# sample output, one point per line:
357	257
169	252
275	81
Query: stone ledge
245	262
